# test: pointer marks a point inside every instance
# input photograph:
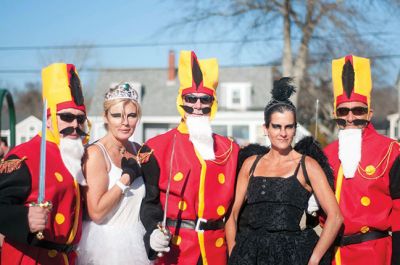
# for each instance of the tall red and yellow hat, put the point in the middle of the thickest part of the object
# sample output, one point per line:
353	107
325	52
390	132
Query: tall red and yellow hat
62	89
197	76
351	78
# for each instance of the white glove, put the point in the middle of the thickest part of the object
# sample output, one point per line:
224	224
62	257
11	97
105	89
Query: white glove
313	205
159	241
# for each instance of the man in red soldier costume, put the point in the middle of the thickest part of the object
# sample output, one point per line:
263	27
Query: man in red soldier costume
199	168
367	172
21	219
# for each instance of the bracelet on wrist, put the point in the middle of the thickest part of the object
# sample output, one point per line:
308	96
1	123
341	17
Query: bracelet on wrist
121	185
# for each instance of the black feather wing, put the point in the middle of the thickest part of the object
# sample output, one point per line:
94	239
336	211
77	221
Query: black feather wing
311	147
250	150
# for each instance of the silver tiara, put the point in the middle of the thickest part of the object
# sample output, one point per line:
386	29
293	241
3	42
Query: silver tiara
122	91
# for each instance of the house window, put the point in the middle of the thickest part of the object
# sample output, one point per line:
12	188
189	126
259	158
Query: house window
153	129
220	129
235	96
241	134
260	136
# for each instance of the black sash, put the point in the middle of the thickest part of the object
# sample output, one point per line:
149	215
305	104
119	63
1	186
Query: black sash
360	237
55	246
198	225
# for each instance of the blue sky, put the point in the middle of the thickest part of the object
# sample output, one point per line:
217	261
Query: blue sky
56	22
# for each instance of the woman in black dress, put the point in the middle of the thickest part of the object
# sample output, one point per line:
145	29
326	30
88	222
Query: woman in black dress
277	186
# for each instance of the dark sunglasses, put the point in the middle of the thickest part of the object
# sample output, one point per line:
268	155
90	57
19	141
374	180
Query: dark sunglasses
69	117
206	99
356	111
356	122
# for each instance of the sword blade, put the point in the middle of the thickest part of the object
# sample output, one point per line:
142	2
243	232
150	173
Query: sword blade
42	165
164	222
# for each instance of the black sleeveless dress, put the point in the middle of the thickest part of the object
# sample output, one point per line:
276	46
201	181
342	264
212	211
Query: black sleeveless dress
276	206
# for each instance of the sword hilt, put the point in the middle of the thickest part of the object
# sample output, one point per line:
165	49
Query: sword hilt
163	228
46	205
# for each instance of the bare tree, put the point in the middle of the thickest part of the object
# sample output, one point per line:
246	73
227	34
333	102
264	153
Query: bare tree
80	57
384	102
312	32
29	101
332	26
83	58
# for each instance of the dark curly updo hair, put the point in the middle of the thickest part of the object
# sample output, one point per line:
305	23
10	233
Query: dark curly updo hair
280	102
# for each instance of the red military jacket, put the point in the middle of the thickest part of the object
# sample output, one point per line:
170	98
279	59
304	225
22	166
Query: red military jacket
198	189
370	200
64	224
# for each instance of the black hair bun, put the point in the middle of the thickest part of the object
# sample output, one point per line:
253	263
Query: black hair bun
283	89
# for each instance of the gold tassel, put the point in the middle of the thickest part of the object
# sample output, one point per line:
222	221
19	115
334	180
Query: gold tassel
8	166
143	158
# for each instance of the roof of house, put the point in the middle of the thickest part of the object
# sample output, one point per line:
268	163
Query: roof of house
159	96
28	121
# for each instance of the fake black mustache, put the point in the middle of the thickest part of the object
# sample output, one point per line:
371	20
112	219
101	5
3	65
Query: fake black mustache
70	130
190	110
356	122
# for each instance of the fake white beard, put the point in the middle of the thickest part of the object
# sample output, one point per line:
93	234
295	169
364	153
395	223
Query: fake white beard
350	150
72	151
200	134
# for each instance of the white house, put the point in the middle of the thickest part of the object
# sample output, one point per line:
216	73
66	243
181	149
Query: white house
394	125
24	130
394	119
242	95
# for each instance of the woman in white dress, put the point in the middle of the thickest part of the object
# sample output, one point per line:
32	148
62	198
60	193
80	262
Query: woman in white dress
115	188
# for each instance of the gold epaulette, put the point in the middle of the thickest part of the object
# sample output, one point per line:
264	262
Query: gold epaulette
8	166
143	158
222	158
369	171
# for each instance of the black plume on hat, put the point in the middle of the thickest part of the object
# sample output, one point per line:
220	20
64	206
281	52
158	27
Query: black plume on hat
76	88
348	78
283	89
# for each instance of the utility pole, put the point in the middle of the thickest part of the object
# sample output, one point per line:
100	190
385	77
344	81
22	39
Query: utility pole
397	132
316	119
